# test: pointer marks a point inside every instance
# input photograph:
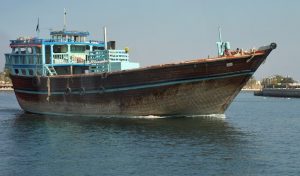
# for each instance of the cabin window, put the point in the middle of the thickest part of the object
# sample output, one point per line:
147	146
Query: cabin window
29	50
30	71
22	51
82	39
48	54
23	71
14	51
76	38
38	50
60	48
16	71
78	48
95	48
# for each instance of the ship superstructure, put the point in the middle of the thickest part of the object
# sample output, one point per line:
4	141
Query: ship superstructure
66	52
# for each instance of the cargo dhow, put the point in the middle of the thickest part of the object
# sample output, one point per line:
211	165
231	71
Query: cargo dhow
71	75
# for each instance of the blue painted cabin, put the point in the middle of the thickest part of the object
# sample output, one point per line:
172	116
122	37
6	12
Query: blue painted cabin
66	52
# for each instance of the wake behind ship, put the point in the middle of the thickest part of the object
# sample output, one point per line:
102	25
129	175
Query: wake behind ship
71	75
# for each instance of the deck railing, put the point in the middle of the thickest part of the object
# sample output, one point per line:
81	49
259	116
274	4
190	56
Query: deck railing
26	41
39	41
23	59
60	58
78	58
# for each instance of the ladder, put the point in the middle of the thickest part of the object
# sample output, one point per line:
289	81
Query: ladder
50	70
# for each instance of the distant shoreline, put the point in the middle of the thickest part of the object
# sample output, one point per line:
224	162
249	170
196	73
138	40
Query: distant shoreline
4	86
250	90
6	89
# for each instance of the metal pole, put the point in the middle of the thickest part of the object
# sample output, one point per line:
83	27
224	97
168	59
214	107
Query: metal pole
220	34
65	14
105	39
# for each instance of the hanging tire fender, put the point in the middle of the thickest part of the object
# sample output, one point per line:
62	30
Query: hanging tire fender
36	81
68	91
81	91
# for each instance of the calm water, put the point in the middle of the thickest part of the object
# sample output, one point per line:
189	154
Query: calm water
259	136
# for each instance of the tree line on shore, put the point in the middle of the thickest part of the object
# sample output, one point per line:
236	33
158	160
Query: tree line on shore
4	78
276	81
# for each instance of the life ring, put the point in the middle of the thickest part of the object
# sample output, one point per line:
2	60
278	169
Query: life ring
101	90
68	91
81	91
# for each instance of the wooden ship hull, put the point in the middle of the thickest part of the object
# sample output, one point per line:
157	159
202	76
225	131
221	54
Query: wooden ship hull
196	87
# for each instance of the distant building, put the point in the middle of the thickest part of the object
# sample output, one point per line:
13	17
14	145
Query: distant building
252	84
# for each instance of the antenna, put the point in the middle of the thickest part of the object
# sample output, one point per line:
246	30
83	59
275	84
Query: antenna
105	39
65	23
220	34
38	28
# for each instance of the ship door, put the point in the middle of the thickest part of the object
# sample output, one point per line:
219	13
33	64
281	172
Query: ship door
48	54
76	38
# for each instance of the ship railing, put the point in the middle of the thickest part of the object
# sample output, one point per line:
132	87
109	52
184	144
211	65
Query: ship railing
49	70
26	41
23	40
98	52
70	40
78	58
61	58
118	55
99	67
100	55
59	40
65	59
39	70
8	61
23	58
96	41
111	57
44	70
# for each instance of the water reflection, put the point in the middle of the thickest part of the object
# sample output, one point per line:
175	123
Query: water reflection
107	143
216	130
254	139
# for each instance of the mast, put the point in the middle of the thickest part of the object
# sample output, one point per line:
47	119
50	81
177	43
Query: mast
220	34
38	28
105	39
65	23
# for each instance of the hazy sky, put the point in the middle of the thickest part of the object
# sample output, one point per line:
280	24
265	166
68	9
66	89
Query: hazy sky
162	31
